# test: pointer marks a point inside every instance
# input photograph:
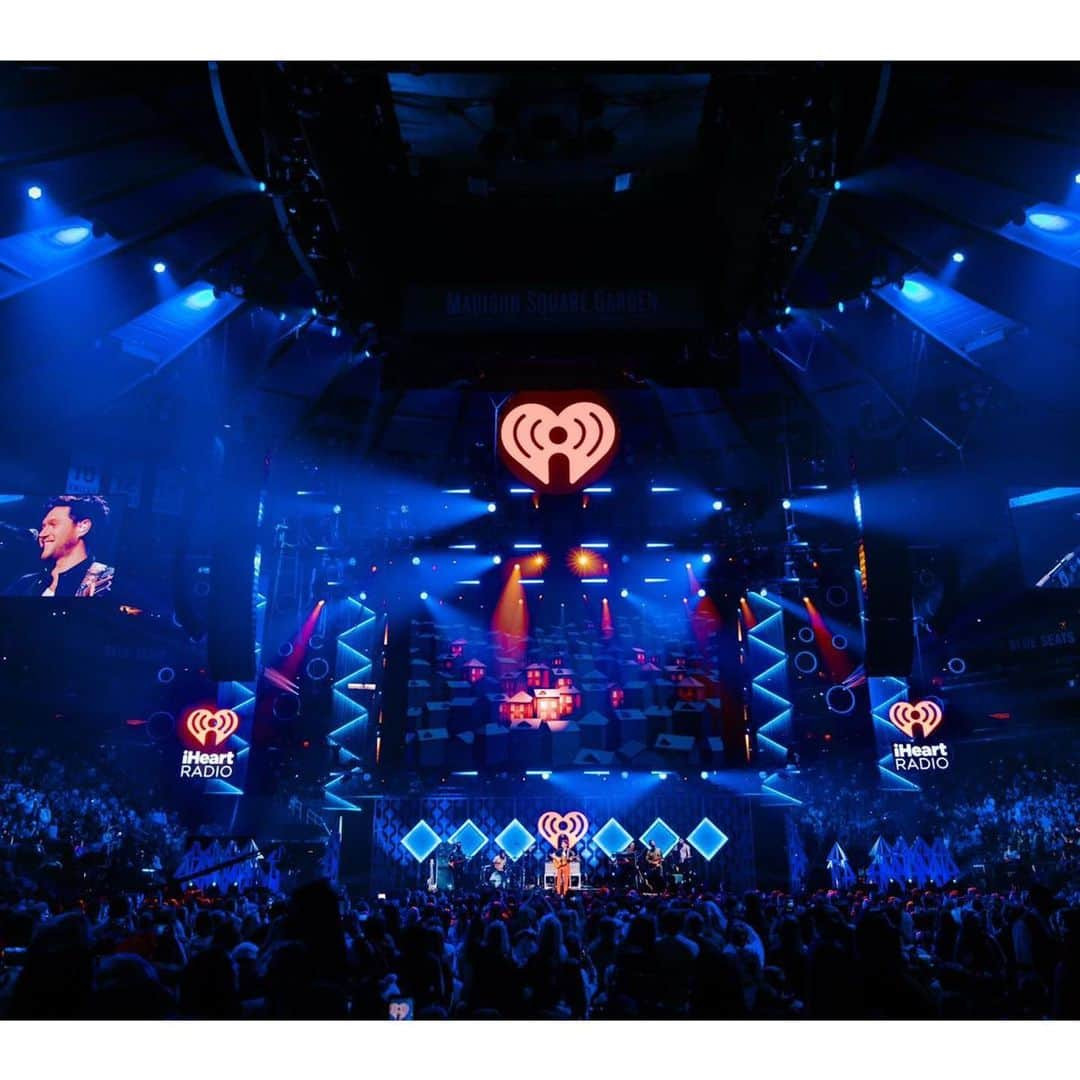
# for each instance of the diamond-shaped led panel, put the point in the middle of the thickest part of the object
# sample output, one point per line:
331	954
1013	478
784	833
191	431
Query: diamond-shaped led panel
420	841
660	831
515	840
612	838
706	838
470	838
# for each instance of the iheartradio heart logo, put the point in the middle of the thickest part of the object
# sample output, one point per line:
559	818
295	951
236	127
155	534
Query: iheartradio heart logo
905	715
552	825
202	723
558	442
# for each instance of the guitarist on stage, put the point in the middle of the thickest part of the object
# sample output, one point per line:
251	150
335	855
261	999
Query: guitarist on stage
562	866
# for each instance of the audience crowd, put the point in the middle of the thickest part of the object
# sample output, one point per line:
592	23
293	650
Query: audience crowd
1013	807
102	945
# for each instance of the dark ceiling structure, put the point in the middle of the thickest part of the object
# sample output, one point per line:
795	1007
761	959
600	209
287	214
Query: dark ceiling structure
764	236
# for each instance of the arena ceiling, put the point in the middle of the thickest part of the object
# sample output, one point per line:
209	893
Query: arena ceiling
318	199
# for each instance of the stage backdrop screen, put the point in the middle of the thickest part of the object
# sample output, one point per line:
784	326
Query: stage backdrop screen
543	677
1047	523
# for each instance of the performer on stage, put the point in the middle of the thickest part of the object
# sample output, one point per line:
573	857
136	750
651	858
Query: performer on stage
654	867
65	539
457	867
684	861
562	866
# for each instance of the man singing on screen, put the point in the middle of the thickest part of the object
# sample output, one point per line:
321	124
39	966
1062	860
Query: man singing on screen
69	529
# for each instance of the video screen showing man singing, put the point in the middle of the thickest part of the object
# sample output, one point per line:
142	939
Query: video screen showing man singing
73	530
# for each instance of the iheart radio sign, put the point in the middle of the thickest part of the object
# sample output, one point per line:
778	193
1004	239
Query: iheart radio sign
552	826
558	442
210	729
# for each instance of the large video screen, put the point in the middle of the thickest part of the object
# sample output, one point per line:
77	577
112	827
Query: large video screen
1047	523
549	677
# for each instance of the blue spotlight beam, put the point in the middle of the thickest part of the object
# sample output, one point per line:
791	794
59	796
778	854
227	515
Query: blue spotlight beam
959	323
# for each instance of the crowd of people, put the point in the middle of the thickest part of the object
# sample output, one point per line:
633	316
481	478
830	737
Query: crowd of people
1008	807
922	954
77	812
101	945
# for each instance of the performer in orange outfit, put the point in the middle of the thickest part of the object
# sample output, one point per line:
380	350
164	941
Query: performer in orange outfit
562	866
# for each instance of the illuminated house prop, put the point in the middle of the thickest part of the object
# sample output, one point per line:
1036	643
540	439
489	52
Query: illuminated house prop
548	704
522	706
475	670
538	676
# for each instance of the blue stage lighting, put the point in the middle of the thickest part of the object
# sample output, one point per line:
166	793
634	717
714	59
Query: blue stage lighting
199	300
625	775
664	835
787	309
706	558
491	508
957	256
262	185
1076	178
420	841
786	504
660	775
840	307
471	839
624	593
1052	223
416	560
836	185
704	775
423	596
337	508
281	316
72	235
363	596
334	331
701	593
515	840
545	776
159	268
497	560
916	292
612	837
706	839
34	192
718	504
763	591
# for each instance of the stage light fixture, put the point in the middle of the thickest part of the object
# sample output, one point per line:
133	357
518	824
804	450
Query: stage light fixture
704	775
363	596
840	307
718	504
836	185
496	559
701	594
199	300
416	560
1076	178
957	256
337	508
262	186
916	292
624	593
34	192
159	268
786	504
491	508
1052	223
423	596
763	591
706	558
72	235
